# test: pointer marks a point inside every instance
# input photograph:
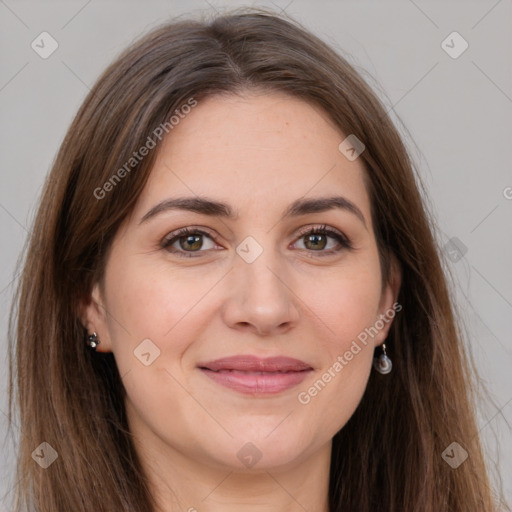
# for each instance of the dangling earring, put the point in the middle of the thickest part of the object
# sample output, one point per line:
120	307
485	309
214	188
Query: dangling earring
382	363
93	340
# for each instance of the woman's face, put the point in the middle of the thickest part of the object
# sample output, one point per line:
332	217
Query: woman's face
242	344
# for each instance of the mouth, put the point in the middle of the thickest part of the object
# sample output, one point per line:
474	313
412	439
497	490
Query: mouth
257	376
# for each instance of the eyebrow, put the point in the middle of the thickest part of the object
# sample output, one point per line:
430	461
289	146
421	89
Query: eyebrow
206	206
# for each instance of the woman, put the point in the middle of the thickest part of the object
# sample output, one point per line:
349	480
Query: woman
232	298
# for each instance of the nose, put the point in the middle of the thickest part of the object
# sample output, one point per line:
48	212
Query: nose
261	298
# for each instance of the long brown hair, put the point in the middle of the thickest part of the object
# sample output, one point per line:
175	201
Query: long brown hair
388	457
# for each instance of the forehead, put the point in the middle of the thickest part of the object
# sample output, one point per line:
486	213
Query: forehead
254	150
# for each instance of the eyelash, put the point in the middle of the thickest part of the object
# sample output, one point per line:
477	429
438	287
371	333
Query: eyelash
343	240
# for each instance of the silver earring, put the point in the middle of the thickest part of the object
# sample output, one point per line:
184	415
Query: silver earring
93	340
382	363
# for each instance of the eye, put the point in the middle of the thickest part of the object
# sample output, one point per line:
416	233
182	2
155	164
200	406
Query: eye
316	240
189	240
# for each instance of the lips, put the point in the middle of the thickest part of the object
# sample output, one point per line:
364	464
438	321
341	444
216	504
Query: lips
257	376
256	364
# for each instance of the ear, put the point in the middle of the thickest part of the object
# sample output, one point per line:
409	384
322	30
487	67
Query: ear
388	306
94	318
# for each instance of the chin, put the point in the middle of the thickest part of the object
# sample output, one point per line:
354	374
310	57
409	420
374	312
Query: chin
255	452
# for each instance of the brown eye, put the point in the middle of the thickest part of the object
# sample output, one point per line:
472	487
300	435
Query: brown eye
318	240
190	242
187	241
315	241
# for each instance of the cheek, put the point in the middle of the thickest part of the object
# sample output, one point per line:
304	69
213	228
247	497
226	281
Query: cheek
348	305
155	316
347	301
331	397
153	302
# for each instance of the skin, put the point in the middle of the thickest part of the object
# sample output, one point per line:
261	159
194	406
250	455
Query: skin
258	153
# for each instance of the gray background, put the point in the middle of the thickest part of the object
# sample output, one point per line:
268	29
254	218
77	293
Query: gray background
457	114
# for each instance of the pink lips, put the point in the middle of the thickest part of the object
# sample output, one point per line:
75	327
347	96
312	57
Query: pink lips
254	375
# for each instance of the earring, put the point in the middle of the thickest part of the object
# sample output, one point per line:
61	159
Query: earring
93	340
382	363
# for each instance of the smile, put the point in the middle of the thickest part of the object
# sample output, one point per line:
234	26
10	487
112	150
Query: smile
257	376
